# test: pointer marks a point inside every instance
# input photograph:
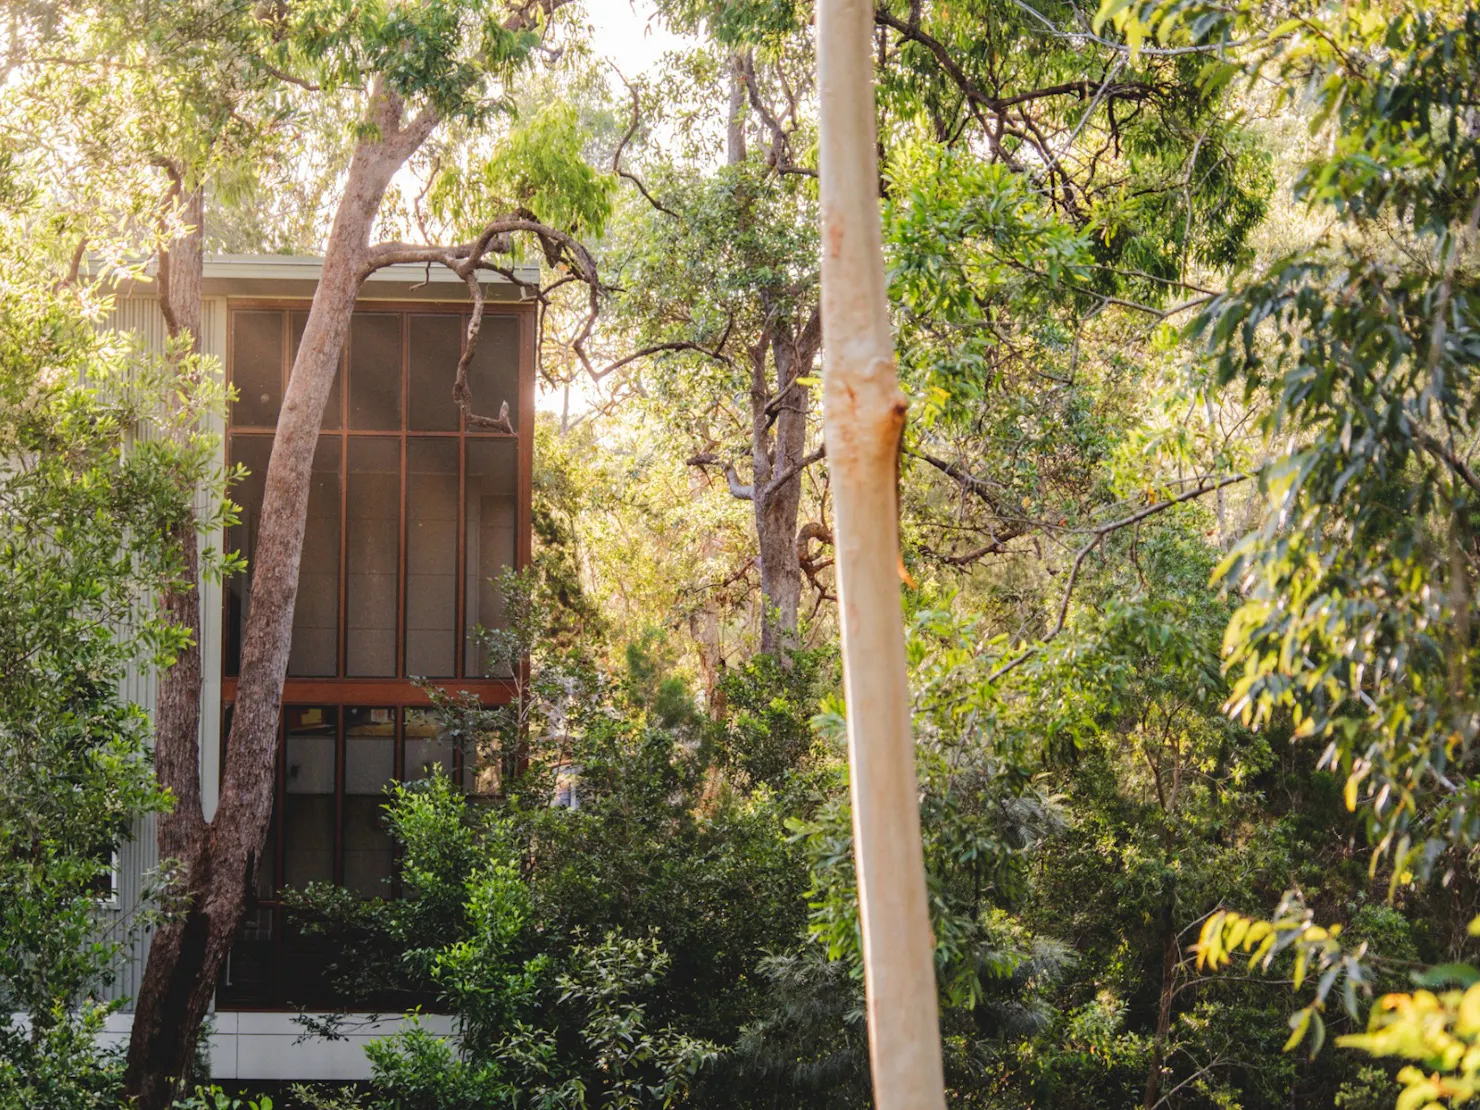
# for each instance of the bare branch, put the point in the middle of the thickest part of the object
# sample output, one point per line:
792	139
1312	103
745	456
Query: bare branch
283	75
968	481
1453	461
622	145
1096	536
789	472
737	488
659	348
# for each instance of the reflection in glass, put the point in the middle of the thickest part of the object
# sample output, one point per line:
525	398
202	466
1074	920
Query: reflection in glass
429	749
431	556
257	368
308	803
493	375
369	767
253	453
375	371
435	344
374	537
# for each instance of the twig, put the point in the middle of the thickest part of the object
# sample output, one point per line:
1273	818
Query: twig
622	145
1096	536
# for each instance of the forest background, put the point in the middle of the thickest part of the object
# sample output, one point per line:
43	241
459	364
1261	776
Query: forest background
1185	304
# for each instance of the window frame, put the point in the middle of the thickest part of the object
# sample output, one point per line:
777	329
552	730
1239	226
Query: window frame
399	691
398	694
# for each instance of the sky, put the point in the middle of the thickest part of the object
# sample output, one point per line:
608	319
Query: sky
627	33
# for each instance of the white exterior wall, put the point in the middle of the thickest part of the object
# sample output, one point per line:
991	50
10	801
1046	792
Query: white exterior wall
250	1045
138	857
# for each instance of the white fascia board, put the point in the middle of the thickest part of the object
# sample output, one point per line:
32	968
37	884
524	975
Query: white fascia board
300	267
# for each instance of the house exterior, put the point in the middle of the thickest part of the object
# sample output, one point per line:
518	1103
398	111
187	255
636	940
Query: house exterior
410	515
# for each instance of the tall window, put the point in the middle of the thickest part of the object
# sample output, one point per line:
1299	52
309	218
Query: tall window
411	516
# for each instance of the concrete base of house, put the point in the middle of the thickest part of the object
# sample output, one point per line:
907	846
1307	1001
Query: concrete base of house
258	1045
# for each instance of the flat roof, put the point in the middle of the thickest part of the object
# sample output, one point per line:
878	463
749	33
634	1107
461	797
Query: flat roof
295	276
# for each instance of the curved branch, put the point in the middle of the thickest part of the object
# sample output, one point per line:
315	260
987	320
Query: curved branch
1453	461
1098	534
737	488
622	145
560	248
789	472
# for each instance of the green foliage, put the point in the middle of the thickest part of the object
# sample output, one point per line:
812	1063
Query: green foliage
605	1058
766	732
499	894
101	451
1358	612
539	167
214	1098
62	1065
443	53
567	1028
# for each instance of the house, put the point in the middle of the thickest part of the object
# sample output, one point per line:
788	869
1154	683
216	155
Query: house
410	516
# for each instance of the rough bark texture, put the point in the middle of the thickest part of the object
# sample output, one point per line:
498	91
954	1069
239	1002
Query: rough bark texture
778	449
1170	956
219	860
181	833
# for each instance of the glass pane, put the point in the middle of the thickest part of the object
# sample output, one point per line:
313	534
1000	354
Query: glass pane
431	557
436	345
480	772
308	803
297	322
492	530
369	767
375	371
253	453
493	375
315	649
428	747
251	970
374	541
257	368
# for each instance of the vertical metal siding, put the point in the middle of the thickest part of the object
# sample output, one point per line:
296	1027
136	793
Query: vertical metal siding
138	858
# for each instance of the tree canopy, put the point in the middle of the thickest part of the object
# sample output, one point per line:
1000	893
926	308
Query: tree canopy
1184	299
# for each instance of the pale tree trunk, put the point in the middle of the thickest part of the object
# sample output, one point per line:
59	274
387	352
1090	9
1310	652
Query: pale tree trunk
863	420
219	859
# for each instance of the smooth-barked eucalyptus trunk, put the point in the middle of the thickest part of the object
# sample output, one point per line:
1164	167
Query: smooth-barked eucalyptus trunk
863	420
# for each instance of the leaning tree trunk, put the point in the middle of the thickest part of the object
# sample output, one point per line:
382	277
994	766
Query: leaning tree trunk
863	420
219	860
